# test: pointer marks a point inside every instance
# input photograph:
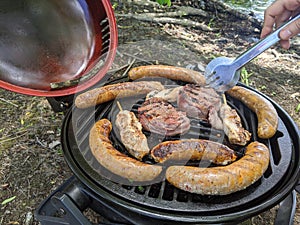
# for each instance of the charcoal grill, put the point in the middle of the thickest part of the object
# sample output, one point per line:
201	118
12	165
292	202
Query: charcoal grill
160	202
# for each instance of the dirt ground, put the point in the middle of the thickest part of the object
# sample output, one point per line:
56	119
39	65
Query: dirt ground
32	163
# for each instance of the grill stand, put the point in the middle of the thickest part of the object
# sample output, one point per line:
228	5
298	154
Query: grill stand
66	204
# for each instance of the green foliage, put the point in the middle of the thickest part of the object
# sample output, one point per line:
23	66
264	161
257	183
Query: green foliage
298	108
164	2
245	76
8	200
141	188
115	5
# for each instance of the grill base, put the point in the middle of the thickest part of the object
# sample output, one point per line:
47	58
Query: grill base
66	204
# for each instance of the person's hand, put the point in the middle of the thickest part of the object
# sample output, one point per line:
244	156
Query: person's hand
276	14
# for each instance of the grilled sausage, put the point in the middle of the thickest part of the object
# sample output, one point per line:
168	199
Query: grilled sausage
266	113
170	72
193	149
115	161
112	91
222	180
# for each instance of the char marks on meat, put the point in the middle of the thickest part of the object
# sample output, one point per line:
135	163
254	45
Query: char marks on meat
169	95
232	126
214	119
198	102
131	134
159	116
193	149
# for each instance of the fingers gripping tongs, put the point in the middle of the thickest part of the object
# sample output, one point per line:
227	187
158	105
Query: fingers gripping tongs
223	73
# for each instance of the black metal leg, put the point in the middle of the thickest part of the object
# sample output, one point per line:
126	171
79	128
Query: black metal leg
286	211
60	208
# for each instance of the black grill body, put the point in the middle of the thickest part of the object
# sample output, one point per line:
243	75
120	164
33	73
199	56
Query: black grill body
161	203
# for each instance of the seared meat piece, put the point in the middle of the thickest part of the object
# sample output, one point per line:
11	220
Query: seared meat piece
198	102
193	149
169	95
214	119
131	134
158	116
232	126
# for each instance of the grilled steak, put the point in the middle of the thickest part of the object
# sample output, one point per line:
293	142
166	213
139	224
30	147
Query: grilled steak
199	102
159	116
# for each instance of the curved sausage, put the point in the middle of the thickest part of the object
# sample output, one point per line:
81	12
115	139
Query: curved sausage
266	113
170	72
115	161
112	91
222	180
193	149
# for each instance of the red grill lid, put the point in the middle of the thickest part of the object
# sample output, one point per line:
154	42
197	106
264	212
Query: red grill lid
55	48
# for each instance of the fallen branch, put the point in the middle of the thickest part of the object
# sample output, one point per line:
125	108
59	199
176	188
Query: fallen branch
164	20
8	102
182	11
146	3
138	58
223	7
128	68
5	139
118	69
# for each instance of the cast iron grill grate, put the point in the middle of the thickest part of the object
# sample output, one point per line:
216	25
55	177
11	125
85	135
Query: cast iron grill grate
162	195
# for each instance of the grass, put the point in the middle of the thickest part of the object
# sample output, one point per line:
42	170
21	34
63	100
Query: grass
297	108
245	75
164	2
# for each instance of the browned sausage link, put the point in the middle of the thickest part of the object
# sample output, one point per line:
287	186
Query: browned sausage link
115	161
170	72
222	180
193	149
266	113
112	91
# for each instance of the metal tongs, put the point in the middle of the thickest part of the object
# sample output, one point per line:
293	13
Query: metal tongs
223	73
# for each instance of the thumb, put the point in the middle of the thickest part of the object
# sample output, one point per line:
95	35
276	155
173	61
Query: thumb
290	31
